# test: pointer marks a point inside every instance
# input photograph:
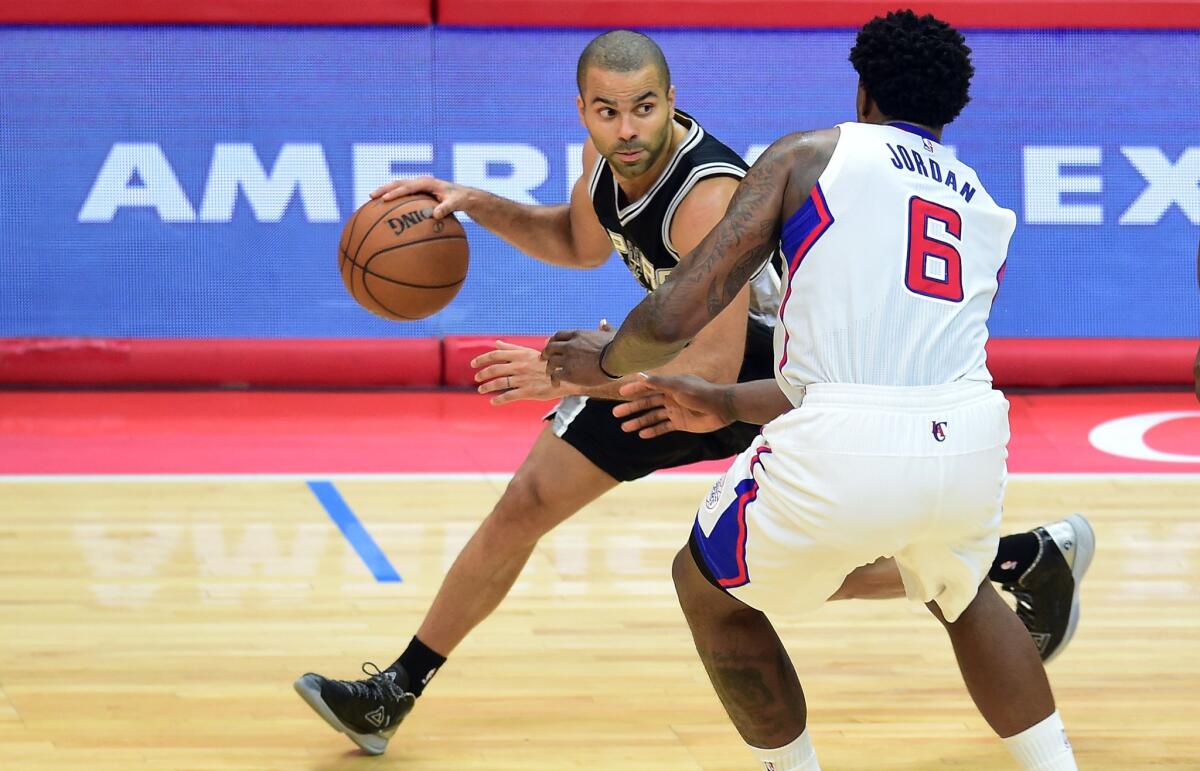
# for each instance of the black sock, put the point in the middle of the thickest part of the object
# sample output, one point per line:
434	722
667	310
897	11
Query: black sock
420	663
1015	555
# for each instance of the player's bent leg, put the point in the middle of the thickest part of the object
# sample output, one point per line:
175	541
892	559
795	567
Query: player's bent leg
554	482
1043	569
1005	677
747	664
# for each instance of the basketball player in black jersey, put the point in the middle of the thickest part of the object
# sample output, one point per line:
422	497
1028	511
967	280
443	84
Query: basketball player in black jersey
654	184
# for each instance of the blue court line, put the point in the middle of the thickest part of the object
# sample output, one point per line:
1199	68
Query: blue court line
369	551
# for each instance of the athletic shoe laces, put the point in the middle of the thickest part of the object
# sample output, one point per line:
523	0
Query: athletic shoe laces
378	686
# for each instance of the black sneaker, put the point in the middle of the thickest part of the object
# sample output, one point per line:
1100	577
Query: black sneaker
1047	593
368	711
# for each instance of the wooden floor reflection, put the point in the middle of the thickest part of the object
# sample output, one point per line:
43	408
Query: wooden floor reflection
159	623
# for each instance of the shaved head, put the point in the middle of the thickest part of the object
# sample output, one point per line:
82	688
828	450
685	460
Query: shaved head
622	50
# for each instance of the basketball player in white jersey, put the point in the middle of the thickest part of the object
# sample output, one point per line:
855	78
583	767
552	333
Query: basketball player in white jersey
883	435
654	184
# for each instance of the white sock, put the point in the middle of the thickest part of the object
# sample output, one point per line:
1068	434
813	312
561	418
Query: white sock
1043	747
797	756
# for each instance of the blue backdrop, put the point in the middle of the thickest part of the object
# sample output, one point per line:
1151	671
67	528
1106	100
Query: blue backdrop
191	182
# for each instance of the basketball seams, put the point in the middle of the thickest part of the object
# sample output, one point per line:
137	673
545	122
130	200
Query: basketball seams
405	293
365	271
406	244
366	266
398	282
399	203
375	299
350	238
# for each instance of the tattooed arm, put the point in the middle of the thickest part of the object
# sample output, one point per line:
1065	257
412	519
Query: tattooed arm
712	274
707	278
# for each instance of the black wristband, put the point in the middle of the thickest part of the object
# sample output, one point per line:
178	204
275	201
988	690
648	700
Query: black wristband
600	361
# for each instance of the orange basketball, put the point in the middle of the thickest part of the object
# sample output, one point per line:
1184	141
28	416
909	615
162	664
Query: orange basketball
398	261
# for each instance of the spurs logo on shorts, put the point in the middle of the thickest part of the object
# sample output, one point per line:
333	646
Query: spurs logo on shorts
939	430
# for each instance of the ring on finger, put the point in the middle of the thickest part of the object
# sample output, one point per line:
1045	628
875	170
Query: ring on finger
509	385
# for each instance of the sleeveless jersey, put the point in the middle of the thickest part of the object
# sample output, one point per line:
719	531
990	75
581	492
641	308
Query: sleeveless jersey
893	264
641	231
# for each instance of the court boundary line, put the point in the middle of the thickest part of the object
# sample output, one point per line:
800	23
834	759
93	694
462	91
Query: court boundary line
504	476
354	531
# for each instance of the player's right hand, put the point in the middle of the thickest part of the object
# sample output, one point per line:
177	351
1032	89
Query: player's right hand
451	197
660	404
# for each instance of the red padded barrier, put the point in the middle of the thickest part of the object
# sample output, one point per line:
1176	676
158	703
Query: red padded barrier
1033	362
1055	362
978	14
216	12
458	350
969	14
321	363
1020	362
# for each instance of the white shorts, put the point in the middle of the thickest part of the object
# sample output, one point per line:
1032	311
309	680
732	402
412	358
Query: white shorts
857	473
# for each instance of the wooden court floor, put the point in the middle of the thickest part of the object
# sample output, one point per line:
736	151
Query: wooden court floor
160	623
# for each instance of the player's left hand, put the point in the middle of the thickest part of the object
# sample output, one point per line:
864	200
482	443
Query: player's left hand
516	373
660	404
574	357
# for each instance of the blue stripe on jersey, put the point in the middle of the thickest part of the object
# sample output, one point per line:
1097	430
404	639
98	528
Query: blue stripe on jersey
798	227
800	232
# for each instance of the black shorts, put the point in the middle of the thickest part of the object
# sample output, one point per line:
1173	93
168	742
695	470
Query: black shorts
588	425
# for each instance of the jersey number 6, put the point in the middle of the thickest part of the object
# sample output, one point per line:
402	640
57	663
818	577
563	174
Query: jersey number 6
934	266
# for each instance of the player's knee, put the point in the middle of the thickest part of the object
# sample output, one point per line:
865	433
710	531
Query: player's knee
524	512
685	574
985	596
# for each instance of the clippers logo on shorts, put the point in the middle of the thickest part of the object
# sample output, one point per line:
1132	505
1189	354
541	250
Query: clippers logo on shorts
723	549
714	495
939	430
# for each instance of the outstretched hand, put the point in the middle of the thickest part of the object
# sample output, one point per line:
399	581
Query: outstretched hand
660	404
515	373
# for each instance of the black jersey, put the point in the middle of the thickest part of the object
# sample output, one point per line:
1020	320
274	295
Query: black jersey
641	231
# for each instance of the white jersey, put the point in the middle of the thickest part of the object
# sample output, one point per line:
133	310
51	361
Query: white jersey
893	265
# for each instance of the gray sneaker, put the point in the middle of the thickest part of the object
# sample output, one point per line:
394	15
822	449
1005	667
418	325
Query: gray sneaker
1047	593
368	710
